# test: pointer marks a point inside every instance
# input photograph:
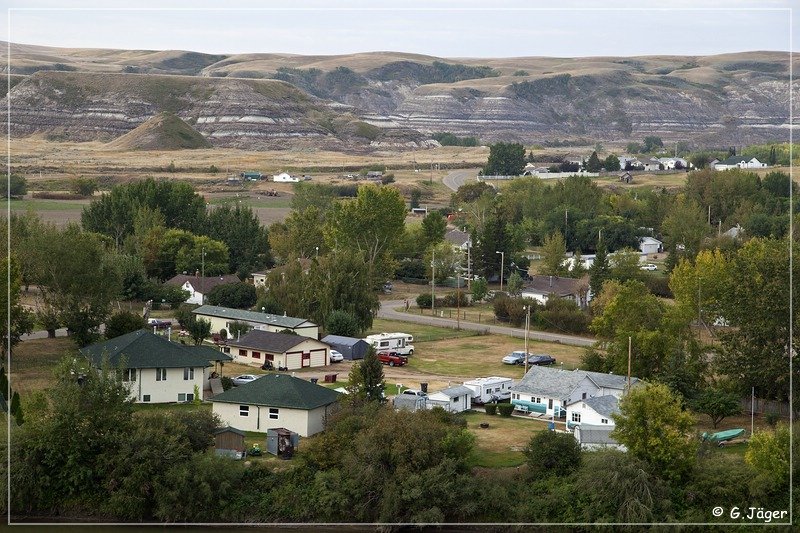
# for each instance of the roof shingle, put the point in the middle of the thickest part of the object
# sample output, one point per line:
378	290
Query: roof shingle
252	316
279	390
143	349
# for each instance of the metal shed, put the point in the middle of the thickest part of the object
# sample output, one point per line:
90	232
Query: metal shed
350	347
281	442
229	442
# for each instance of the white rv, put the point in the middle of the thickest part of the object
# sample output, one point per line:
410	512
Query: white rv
392	342
491	389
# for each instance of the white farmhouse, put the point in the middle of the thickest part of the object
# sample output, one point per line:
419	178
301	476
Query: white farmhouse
197	287
154	369
285	177
737	161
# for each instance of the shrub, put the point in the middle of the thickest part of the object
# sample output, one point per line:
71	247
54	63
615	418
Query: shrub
83	186
491	408
658	285
772	419
227	382
551	453
455	299
505	409
512	309
122	323
424	300
562	315
386	179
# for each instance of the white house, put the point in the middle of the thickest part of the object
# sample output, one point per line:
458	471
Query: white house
283	350
222	317
595	410
586	260
650	165
540	288
276	401
670	163
650	245
550	390
198	287
154	369
737	161
285	177
452	399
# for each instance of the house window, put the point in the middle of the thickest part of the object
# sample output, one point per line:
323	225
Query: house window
273	413
161	374
455	399
146	398
256	355
549	403
576	417
129	374
243	353
269	357
604	420
185	397
188	373
226	349
497	389
538	400
244	410
583	396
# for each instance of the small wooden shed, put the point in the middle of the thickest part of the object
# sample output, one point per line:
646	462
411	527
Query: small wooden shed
229	442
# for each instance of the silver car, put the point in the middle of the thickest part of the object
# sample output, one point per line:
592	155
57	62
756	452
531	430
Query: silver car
244	379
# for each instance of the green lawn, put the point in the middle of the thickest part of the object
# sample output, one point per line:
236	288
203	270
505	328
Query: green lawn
420	332
501	444
47	205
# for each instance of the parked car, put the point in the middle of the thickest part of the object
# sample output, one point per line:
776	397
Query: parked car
414	392
649	266
516	357
336	357
159	323
541	359
392	359
244	379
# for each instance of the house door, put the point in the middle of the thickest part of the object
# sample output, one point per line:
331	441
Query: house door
306	359
550	403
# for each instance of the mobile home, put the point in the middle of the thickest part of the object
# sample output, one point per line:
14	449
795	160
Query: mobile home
491	389
392	342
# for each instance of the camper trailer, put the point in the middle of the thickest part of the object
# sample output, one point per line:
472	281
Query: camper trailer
491	389
392	342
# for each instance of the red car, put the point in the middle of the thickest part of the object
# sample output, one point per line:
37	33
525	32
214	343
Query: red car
392	358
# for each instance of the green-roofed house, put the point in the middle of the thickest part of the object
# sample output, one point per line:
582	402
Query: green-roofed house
276	401
156	370
221	318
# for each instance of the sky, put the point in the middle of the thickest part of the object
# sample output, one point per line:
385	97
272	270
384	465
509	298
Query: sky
443	28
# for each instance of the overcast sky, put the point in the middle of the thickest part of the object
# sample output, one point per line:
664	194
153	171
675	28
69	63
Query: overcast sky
445	28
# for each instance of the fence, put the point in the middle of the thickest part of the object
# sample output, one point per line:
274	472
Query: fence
762	407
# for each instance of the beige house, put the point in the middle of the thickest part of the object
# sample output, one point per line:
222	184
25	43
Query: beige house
154	369
281	349
221	318
276	401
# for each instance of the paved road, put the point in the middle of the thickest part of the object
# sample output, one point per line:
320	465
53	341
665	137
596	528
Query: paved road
457	178
387	311
43	334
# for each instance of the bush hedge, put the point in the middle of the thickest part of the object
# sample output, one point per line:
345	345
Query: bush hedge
491	408
505	409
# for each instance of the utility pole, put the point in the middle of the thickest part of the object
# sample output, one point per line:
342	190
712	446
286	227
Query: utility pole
629	364
527	325
709	215
502	265
458	301
469	267
203	271
433	279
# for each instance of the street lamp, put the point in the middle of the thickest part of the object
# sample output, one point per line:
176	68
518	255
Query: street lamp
502	266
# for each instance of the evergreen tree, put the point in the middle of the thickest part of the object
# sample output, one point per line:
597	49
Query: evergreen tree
594	164
366	379
600	269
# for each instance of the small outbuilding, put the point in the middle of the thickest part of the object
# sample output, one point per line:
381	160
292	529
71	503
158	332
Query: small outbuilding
229	442
350	347
650	245
452	399
410	402
282	443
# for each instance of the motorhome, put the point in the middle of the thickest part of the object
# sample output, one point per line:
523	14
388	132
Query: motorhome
392	342
491	389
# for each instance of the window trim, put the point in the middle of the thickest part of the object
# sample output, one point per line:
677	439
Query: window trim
161	374
273	413
244	410
188	373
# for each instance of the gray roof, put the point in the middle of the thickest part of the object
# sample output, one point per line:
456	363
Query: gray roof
342	341
559	384
603	405
735	160
279	390
555	284
594	434
549	382
454	392
408	402
203	285
143	349
269	341
253	316
456	237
